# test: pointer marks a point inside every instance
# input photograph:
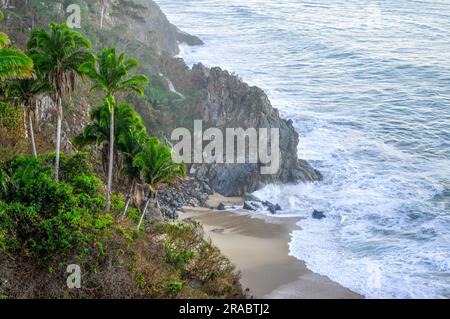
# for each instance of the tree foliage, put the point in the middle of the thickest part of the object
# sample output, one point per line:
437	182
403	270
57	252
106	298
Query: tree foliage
59	54
14	64
157	166
43	216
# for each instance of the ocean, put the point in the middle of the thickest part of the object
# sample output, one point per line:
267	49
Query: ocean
367	84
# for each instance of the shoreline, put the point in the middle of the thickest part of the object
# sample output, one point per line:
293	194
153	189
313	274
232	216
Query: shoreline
258	247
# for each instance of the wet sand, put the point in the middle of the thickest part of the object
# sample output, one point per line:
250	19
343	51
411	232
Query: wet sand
259	249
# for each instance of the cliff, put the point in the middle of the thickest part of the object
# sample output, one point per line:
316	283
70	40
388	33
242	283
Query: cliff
157	29
178	95
223	100
226	101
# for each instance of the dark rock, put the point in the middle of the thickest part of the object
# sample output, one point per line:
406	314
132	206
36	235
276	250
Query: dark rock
195	283
248	206
270	207
318	214
207	189
257	205
191	192
154	214
184	37
226	101
251	198
278	207
221	206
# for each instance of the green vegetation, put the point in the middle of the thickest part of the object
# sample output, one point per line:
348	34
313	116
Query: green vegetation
42	216
157	169
59	55
47	224
130	136
52	207
111	74
26	92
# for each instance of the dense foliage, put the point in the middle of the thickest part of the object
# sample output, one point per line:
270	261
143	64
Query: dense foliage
110	73
48	223
41	216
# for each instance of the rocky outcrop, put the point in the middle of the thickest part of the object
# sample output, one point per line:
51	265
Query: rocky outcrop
157	30
318	215
225	101
221	99
76	116
192	192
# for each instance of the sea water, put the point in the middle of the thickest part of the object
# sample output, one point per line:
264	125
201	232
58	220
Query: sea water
367	84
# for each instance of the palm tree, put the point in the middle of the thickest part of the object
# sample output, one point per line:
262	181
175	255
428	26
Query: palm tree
111	74
59	54
26	91
131	145
97	132
130	136
158	170
14	64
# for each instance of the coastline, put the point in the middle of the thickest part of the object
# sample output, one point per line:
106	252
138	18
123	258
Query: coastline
258	246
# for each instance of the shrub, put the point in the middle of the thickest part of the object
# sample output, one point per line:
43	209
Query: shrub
195	258
175	287
10	116
47	224
45	218
176	255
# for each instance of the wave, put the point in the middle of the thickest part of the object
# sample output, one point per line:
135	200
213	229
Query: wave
367	85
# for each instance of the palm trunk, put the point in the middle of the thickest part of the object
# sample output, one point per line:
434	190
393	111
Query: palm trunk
24	119
58	138
129	196
102	16
111	161
33	141
144	212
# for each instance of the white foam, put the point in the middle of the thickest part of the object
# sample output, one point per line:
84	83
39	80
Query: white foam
367	233
387	228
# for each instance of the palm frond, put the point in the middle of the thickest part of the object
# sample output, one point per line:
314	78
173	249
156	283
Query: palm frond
59	54
157	166
15	64
4	40
110	72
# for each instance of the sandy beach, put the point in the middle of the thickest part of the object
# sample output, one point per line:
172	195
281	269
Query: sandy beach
259	249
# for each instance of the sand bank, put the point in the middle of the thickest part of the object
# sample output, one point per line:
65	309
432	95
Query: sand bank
259	249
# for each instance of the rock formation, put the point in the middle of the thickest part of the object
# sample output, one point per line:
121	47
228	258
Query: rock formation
225	101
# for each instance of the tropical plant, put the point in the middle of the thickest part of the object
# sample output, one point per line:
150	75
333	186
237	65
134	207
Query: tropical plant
97	132
158	170
14	64
59	54
26	91
111	74
129	135
50	218
131	145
